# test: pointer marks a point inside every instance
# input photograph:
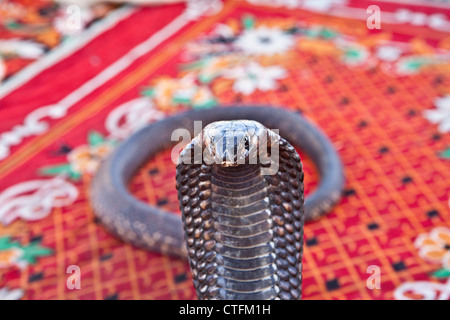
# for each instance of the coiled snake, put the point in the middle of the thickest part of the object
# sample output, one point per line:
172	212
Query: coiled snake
243	230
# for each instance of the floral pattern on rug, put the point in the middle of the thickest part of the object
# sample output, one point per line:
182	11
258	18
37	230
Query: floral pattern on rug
249	55
83	159
434	247
30	29
246	56
13	253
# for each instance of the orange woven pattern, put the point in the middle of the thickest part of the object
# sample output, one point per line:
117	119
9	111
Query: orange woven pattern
397	185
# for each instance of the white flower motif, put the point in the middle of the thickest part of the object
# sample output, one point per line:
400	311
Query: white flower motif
434	246
12	257
253	76
23	48
441	115
388	53
223	30
264	41
86	159
11	294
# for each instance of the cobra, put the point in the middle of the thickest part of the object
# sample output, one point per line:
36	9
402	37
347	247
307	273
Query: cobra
241	229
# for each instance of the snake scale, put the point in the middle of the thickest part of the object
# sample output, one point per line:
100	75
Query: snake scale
243	230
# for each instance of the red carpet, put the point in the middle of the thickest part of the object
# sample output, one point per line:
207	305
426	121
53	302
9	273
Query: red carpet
382	96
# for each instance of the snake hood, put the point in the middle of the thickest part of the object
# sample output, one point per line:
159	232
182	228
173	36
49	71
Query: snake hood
231	143
234	225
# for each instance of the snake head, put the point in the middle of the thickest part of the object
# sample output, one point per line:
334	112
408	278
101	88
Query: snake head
230	143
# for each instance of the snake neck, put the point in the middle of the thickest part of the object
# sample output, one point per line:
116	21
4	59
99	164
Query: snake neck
244	229
243	224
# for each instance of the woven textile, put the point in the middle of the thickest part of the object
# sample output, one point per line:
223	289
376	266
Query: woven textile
381	95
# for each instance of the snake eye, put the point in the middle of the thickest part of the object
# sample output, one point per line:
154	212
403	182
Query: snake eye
247	143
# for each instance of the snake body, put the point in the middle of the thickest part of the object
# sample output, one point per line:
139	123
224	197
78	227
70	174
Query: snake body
243	231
